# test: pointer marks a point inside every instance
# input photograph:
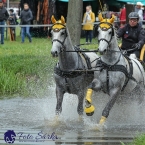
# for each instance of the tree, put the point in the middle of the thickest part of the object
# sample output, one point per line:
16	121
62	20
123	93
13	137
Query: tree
74	20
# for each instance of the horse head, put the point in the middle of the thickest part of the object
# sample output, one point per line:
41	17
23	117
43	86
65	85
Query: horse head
59	35
105	33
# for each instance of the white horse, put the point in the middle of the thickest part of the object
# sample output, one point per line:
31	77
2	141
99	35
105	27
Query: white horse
118	74
70	72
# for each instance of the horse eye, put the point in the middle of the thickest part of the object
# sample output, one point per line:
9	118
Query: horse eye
110	32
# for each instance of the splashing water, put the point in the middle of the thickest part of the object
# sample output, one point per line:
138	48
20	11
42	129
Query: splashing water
128	112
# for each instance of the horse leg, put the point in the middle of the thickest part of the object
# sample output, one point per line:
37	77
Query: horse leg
89	108
80	105
114	94
59	96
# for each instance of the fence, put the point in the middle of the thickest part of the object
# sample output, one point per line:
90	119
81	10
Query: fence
42	30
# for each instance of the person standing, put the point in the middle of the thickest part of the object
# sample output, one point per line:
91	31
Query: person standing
3	17
26	17
123	16
88	20
139	10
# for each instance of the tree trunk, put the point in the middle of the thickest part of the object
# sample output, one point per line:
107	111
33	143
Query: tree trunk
74	20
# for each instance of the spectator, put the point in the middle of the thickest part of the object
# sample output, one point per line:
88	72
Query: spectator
26	17
3	17
132	35
12	21
123	16
139	10
88	20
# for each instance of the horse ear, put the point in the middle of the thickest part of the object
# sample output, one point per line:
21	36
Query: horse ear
53	19
62	20
112	19
100	17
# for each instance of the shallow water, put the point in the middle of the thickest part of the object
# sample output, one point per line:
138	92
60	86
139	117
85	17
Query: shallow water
35	117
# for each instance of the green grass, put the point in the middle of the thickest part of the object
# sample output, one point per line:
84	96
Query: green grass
25	69
139	140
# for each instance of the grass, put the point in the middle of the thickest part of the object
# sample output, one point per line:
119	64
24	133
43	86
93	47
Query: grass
25	69
139	140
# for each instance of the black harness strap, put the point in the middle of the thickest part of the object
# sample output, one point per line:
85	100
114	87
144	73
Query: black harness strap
70	74
67	85
130	73
67	74
87	59
116	67
107	80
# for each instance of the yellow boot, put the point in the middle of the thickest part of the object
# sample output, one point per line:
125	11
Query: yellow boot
89	108
102	120
89	95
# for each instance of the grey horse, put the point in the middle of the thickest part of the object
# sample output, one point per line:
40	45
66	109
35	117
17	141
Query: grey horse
68	77
118	74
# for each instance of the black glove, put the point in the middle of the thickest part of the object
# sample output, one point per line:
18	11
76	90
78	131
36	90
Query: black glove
136	46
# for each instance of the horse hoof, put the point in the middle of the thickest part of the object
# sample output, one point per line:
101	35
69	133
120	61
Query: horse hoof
89	110
90	114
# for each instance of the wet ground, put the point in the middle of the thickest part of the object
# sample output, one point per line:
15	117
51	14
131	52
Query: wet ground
33	121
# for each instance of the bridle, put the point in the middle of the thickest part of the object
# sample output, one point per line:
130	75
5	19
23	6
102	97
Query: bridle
105	29
57	30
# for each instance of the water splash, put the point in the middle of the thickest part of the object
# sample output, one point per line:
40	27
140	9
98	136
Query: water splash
127	113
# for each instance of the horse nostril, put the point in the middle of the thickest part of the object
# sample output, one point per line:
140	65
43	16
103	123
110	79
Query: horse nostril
56	52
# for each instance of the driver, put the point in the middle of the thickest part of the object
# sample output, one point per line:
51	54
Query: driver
133	36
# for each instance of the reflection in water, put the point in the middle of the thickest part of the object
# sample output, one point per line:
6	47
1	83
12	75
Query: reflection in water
32	115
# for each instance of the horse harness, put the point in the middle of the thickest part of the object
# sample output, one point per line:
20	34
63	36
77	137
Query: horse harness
117	67
74	73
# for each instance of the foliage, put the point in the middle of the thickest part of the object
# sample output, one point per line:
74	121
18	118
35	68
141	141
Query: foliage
25	68
139	140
